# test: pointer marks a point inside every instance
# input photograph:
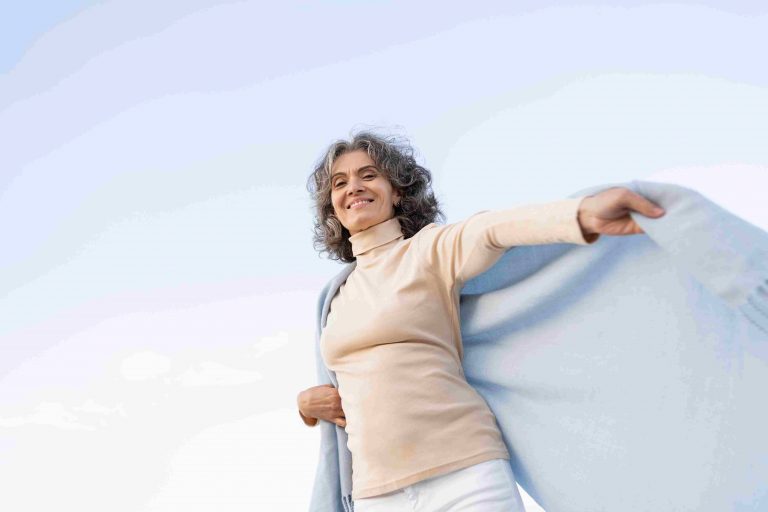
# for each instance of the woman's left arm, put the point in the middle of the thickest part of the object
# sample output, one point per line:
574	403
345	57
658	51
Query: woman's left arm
465	249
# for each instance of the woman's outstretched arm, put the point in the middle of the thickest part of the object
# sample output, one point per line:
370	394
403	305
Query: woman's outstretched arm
465	249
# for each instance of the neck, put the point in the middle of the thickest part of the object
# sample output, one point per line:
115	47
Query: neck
363	242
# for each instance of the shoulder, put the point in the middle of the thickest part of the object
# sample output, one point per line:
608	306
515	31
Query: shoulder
427	232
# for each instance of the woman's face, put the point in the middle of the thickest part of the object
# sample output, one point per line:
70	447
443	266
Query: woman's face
362	196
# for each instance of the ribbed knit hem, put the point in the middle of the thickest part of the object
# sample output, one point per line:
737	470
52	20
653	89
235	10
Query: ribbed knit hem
755	307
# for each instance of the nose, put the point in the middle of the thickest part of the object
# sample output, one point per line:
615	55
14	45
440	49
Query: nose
355	185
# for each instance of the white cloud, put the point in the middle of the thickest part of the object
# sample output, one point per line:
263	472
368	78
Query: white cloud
89	406
55	414
145	366
209	373
50	414
271	343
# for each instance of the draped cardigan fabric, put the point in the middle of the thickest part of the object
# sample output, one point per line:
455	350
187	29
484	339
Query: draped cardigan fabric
625	375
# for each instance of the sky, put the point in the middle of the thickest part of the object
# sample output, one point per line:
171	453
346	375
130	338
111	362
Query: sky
157	276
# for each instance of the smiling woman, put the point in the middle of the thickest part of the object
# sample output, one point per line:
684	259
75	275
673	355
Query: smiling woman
417	431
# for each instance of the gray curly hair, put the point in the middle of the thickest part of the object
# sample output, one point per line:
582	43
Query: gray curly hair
393	155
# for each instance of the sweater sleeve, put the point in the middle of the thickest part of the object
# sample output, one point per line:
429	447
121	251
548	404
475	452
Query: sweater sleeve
466	249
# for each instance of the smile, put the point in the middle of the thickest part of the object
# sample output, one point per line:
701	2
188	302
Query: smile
360	204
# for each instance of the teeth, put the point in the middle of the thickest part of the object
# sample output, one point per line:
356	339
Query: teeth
362	201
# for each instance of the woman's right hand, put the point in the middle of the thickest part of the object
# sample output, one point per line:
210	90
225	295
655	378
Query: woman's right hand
321	403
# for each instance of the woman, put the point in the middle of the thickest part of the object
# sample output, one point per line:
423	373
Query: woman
421	437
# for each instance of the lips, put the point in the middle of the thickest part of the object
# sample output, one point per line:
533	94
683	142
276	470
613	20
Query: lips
359	203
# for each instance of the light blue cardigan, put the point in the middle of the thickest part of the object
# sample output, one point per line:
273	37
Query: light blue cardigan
627	375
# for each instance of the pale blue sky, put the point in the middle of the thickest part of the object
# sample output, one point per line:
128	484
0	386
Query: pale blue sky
157	278
22	23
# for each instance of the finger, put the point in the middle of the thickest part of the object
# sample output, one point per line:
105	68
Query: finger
644	206
633	228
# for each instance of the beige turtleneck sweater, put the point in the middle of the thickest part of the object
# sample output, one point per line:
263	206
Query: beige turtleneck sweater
392	337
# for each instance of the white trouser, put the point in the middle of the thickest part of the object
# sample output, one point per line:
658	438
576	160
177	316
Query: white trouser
489	486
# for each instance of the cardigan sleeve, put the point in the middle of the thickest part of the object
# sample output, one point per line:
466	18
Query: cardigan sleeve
466	249
725	253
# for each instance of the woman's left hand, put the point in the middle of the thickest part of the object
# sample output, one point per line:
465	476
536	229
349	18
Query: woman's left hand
607	213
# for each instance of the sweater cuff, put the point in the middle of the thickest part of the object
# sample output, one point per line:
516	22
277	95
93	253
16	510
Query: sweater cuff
569	208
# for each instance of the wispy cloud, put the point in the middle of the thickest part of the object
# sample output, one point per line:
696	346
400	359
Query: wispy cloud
58	415
210	373
146	365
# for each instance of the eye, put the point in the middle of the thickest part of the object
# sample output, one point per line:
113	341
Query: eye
369	176
340	182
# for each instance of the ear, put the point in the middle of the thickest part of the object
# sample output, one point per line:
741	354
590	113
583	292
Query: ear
396	196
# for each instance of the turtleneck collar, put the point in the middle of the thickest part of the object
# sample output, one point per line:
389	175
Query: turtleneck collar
375	236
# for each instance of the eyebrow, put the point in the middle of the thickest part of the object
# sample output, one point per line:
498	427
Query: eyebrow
360	169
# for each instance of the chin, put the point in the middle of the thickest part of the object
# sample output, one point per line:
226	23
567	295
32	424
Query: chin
361	220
